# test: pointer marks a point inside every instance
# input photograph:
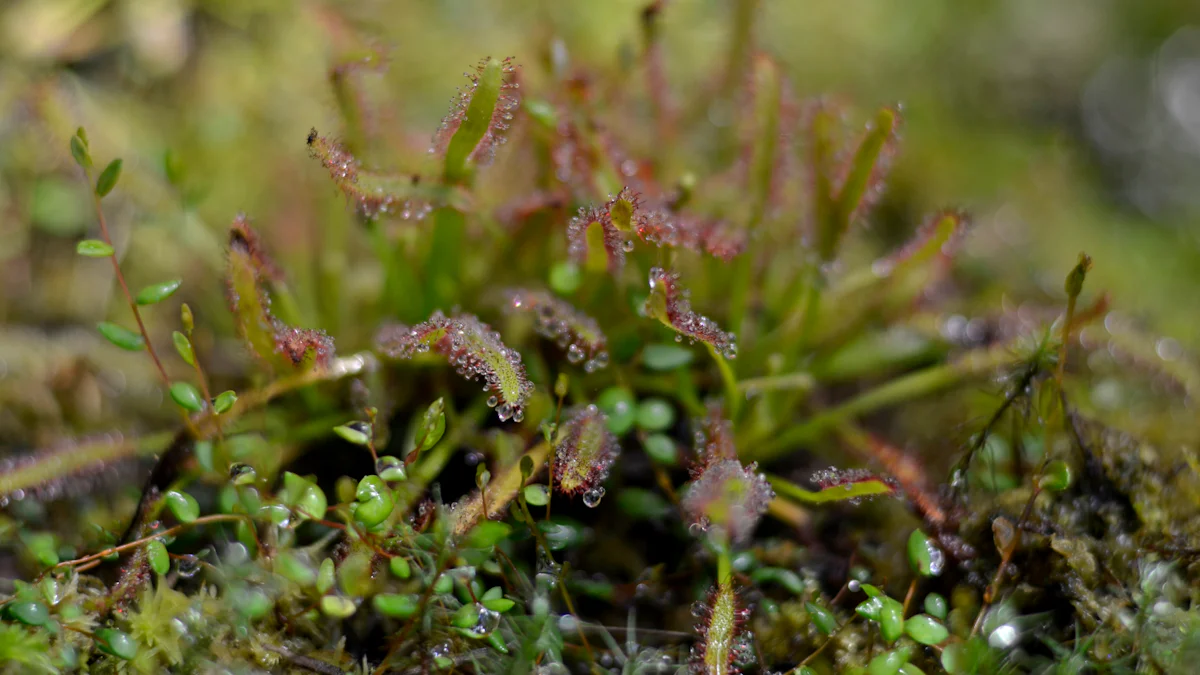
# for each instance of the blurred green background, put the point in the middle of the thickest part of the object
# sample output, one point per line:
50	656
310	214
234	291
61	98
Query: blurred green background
1061	125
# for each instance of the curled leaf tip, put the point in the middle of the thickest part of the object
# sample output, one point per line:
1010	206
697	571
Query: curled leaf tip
557	320
585	452
668	302
474	349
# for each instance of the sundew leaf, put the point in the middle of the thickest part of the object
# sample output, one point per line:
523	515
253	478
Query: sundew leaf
594	242
480	116
669	304
557	320
727	500
377	194
269	338
584	452
474	349
722	621
836	486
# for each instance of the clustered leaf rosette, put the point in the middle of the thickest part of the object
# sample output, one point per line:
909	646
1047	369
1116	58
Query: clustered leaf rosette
267	336
474	349
720	648
557	320
491	78
668	303
584	452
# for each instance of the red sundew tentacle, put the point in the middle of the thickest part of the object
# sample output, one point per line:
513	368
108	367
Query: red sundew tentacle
584	453
669	304
474	349
557	320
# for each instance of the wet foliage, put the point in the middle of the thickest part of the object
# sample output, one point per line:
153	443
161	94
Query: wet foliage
606	388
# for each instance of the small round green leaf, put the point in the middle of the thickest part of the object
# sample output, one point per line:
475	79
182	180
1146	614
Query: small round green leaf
325	576
395	605
156	553
487	534
186	396
184	347
926	629
121	337
655	414
118	644
501	605
93	248
924	555
353	433
661	449
1056	477
183	506
822	619
891	620
620	407
537	494
888	663
666	357
337	607
28	613
444	584
79	151
433	426
400	567
108	178
935	604
224	401
158	292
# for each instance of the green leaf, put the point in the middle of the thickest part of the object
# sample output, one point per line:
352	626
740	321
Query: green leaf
537	494
1056	477
186	396
352	434
466	616
888	663
487	534
337	607
325	576
79	151
118	644
924	555
93	248
183	346
28	613
655	414
121	336
662	449
619	405
156	553
433	426
303	496
565	278
400	567
158	292
642	503
666	357
108	178
936	605
290	565
396	605
224	401
891	619
501	605
926	629
183	506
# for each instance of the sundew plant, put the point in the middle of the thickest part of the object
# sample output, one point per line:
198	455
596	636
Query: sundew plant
598	386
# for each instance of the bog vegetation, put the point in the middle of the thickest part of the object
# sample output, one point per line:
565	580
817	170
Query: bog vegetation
639	398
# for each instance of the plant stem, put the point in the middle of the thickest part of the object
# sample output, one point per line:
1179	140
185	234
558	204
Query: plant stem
733	398
137	316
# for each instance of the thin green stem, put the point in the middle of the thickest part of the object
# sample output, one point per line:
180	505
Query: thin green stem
732	396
